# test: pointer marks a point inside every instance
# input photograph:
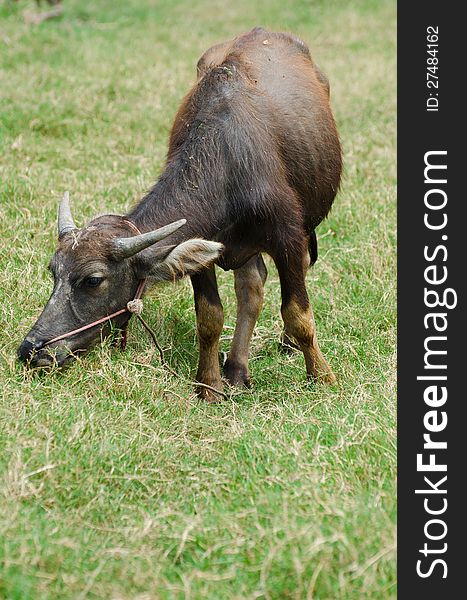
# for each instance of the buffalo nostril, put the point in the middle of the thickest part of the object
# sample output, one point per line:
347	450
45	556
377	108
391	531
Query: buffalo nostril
26	350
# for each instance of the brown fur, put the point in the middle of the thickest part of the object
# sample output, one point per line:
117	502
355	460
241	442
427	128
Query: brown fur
249	289
210	320
300	326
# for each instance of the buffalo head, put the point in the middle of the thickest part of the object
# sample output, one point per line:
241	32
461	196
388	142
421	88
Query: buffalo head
96	271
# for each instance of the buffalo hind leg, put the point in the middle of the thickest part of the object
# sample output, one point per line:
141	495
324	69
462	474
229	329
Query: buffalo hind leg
287	343
297	313
249	284
209	320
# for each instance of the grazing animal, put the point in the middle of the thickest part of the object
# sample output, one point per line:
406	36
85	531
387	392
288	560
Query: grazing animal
253	165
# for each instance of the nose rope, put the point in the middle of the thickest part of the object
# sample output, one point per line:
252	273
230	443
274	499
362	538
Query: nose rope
135	306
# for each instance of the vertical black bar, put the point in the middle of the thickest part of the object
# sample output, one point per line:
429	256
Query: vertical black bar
431	119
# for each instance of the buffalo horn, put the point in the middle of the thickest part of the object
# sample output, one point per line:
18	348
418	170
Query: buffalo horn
126	247
65	220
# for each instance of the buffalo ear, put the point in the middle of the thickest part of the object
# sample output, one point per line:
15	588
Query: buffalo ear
174	262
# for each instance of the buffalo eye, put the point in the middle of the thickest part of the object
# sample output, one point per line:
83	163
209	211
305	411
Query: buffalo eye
93	281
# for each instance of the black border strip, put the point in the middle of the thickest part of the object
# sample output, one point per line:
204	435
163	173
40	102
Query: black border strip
421	131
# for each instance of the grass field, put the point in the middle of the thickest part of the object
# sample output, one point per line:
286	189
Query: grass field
116	482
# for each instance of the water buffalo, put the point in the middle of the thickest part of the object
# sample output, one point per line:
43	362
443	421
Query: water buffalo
253	166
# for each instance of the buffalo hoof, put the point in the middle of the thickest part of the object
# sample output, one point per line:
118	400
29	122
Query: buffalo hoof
237	374
323	375
207	393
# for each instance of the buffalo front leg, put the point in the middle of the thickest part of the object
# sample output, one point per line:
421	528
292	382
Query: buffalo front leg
209	320
297	313
249	284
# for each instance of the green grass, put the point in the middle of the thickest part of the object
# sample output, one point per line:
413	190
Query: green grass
116	482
